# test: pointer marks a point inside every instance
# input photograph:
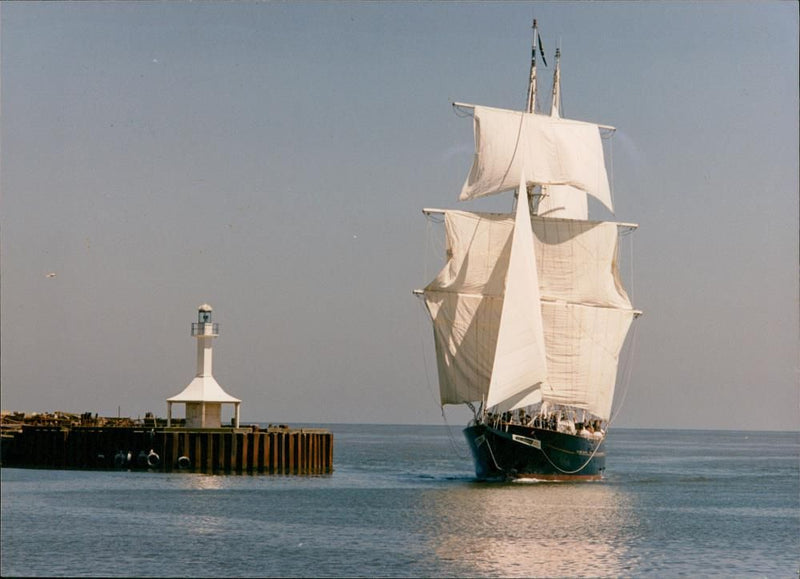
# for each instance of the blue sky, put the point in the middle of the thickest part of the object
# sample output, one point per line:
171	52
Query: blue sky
272	159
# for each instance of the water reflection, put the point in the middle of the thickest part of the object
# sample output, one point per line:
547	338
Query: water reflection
524	530
201	511
201	482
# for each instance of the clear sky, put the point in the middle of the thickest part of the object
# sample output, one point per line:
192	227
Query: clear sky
272	160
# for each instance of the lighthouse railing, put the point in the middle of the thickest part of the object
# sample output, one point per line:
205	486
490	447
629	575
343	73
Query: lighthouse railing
205	329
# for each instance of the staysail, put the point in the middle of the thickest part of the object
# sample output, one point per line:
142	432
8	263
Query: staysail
519	362
547	149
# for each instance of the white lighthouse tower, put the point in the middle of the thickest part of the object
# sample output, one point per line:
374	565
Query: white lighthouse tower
203	396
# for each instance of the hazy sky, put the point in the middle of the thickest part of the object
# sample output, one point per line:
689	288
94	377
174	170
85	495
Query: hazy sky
272	160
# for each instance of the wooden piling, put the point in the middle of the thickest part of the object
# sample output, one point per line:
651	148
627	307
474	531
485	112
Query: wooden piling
276	450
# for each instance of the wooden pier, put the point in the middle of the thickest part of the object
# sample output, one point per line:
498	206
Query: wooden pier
250	450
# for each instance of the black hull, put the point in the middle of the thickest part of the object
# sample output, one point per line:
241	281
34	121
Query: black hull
515	451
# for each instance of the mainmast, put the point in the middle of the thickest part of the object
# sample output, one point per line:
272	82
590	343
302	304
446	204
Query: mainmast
533	198
531	106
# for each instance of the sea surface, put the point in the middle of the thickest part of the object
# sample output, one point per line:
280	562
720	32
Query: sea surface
403	502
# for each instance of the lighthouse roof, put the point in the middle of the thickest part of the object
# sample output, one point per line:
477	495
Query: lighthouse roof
204	308
203	389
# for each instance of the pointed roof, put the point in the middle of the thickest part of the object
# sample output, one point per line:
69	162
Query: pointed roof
203	389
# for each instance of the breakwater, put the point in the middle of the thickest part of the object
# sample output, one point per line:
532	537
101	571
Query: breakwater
248	450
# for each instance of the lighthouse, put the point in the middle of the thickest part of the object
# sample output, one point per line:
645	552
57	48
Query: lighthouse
204	396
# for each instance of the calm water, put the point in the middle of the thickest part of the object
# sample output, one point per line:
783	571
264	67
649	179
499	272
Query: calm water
402	502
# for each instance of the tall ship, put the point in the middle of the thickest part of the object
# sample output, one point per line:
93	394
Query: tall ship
529	311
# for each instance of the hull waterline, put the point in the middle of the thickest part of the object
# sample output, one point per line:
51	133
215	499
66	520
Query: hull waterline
521	452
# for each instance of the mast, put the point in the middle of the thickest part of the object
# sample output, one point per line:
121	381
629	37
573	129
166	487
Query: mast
531	105
533	200
543	202
534	193
555	105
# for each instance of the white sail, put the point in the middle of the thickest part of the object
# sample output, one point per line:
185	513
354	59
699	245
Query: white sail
465	302
585	311
485	310
585	308
583	345
519	365
548	150
563	201
577	262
